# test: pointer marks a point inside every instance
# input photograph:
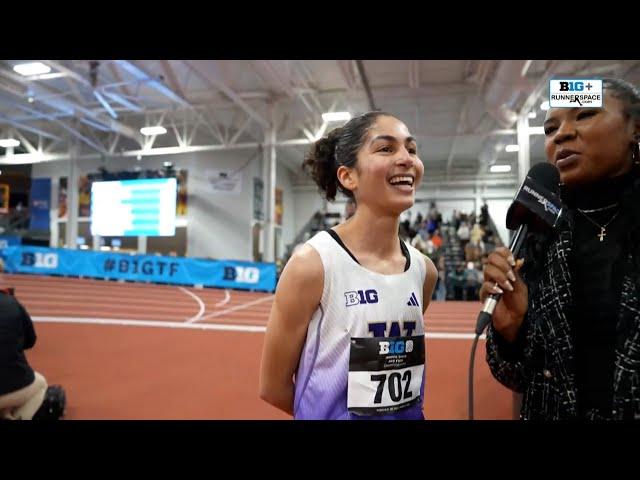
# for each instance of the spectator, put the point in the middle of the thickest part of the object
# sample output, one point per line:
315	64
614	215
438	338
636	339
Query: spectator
472	252
432	225
477	232
484	215
456	282
418	221
22	390
436	239
418	242
463	234
349	209
474	279
441	285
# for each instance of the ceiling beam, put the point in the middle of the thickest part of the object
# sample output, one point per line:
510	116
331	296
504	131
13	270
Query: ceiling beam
171	76
153	81
214	80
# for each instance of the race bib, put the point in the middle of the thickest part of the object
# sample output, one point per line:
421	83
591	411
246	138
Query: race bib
385	374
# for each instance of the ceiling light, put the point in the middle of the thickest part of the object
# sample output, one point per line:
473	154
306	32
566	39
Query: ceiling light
9	142
159	130
34	68
500	168
336	116
512	148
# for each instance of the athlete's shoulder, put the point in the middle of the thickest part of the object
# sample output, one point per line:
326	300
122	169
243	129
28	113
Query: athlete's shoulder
305	264
431	269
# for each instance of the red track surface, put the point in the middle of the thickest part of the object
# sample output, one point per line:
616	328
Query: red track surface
126	370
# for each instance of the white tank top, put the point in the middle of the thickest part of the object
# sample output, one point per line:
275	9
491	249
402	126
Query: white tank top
361	358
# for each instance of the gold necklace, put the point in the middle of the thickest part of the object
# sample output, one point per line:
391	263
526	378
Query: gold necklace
603	228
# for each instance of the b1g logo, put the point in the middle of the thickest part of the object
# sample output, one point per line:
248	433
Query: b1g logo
40	259
361	296
398	346
572	93
242	274
576	86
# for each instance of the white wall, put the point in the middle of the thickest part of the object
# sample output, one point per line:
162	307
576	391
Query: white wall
498	212
218	224
306	203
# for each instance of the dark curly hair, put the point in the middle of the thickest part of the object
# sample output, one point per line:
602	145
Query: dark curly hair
536	245
339	147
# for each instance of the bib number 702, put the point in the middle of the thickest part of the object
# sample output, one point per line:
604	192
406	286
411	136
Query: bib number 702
394	385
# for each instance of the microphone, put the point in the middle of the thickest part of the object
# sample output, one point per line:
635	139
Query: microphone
535	208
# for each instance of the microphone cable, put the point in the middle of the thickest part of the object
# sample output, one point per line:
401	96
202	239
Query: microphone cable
471	364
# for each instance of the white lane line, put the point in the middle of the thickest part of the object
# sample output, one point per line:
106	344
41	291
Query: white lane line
197	316
227	297
237	307
149	323
453	336
208	326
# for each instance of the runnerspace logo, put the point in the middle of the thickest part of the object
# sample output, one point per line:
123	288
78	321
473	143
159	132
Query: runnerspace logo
548	206
575	93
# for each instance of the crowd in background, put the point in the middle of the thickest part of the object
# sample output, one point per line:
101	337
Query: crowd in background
458	247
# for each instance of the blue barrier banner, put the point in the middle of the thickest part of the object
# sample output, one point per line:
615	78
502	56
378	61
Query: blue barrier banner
9	241
40	203
141	268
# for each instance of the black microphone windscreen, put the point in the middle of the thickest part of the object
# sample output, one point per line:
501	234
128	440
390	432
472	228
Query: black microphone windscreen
536	202
545	175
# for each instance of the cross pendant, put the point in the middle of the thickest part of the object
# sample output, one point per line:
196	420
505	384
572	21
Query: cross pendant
601	234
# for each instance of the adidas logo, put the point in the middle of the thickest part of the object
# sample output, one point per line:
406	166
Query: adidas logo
413	301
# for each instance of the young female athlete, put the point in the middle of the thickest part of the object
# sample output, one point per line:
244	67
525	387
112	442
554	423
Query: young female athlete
345	338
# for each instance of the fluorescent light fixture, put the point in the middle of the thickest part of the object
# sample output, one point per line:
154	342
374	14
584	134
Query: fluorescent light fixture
9	142
512	148
544	106
28	69
167	164
336	116
536	130
532	114
159	130
500	168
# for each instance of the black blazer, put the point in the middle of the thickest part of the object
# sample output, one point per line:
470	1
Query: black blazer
541	364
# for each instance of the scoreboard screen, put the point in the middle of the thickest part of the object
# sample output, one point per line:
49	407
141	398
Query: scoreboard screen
132	208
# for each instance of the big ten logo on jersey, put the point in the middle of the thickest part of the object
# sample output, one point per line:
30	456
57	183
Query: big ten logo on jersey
40	259
395	347
242	274
360	297
394	329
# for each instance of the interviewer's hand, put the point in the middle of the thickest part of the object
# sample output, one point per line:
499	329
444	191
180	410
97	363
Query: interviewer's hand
501	268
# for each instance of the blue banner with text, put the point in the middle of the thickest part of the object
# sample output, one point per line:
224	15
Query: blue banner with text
141	268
